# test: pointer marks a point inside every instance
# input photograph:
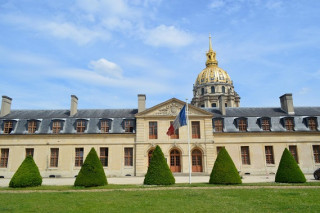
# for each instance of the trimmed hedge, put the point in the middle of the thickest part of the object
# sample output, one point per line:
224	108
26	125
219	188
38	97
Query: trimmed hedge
159	172
27	174
288	170
224	171
91	172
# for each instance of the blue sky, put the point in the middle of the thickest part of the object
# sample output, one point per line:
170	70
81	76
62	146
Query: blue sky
108	51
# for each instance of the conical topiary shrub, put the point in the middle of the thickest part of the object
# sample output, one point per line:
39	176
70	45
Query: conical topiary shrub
27	174
224	171
288	170
158	171
91	172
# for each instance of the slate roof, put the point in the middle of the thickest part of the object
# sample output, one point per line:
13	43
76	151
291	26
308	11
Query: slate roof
276	115
91	116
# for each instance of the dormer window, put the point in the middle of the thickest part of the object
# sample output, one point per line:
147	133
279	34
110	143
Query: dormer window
312	123
81	126
289	124
218	125
104	126
128	126
8	127
265	124
56	127
32	126
242	124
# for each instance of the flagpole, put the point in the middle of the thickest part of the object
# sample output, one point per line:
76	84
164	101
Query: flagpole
187	112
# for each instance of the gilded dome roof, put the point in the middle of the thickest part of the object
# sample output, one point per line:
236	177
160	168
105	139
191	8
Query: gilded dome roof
212	73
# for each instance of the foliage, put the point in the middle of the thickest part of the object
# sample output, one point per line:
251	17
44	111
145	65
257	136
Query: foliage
91	172
224	170
158	171
27	174
288	170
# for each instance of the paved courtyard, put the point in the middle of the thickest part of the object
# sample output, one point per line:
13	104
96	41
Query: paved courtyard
139	180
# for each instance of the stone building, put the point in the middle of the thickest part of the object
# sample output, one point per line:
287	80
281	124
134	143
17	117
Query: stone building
255	138
213	82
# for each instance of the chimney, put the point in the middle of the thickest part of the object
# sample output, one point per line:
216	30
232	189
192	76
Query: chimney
5	106
74	105
222	107
141	102
287	103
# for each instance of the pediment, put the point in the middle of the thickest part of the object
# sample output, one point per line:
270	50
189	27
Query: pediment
171	108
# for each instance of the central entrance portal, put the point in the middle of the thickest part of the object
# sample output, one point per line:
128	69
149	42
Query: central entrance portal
175	162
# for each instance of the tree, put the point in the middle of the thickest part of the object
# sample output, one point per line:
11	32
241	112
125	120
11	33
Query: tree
91	172
159	172
288	170
224	170
27	174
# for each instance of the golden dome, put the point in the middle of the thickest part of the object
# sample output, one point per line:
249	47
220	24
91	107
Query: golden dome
212	73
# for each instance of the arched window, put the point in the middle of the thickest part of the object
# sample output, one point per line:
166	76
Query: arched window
175	163
212	89
223	89
202	91
196	160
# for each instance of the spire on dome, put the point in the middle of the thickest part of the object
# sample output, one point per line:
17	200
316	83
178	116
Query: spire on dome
210	45
211	55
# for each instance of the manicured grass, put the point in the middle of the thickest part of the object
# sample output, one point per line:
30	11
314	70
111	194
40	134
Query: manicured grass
132	186
182	200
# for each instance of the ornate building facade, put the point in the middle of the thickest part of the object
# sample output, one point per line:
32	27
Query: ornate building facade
213	82
124	139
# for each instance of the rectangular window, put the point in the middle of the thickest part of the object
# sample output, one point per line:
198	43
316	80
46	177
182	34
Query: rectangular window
128	126
104	126
195	129
245	155
32	127
29	151
175	134
128	156
265	124
312	124
104	156
294	152
56	127
242	125
79	157
81	126
289	124
54	157
8	127
4	158
219	149
269	155
316	153
153	130
218	125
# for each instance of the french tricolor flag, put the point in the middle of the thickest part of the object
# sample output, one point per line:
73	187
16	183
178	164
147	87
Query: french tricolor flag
181	120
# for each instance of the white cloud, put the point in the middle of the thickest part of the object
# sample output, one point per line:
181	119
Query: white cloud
216	4
167	36
60	29
304	91
106	68
273	5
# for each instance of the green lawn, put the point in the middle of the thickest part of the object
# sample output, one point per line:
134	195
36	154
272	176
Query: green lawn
181	200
